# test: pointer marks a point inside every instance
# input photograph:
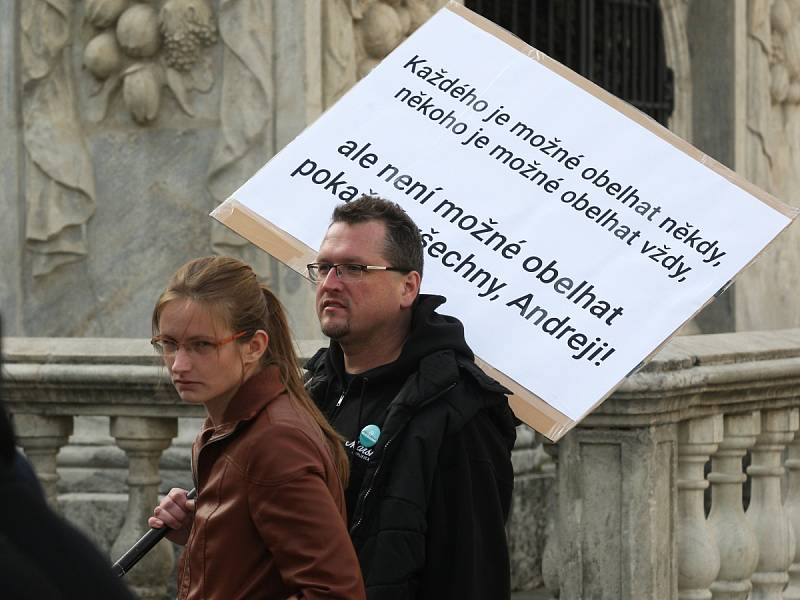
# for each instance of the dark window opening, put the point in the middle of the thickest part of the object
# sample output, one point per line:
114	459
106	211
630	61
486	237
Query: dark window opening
617	44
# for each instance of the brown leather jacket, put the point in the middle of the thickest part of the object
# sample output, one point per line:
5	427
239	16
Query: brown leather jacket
270	511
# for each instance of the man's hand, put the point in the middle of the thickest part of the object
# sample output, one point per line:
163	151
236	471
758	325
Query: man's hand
176	512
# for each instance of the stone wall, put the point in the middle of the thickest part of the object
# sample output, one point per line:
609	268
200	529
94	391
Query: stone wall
124	124
737	66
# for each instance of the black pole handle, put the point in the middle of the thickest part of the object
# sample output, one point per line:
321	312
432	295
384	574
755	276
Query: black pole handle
136	552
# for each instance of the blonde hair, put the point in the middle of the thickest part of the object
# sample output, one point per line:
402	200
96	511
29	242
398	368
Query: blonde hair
230	290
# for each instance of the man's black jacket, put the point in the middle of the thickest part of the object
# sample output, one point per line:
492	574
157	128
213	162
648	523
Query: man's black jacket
430	517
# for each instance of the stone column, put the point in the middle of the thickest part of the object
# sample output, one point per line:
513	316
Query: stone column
11	244
530	504
735	538
717	41
298	67
776	540
792	507
144	439
676	53
698	557
41	437
298	102
617	513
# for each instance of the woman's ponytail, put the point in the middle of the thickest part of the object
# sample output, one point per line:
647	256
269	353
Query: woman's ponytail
281	352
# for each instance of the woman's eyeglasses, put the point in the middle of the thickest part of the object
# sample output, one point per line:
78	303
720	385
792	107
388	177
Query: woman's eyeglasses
168	348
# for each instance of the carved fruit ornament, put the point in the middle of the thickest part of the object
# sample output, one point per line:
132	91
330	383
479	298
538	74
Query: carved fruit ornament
382	25
785	52
144	46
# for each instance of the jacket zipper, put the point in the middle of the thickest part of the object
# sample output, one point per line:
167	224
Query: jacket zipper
338	406
363	501
213	440
357	524
195	476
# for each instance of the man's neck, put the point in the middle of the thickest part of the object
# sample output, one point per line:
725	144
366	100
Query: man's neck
361	357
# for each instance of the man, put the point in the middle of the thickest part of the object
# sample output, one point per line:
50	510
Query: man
429	434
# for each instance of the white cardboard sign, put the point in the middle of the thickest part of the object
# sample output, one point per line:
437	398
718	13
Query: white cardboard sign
570	233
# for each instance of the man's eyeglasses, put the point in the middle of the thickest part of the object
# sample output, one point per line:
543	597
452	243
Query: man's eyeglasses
345	271
168	348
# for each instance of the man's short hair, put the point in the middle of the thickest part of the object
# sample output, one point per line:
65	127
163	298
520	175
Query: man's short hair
403	242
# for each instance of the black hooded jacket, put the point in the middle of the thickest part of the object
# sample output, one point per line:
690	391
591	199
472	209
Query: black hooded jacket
428	500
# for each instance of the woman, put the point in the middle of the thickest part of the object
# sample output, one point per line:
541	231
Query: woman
268	521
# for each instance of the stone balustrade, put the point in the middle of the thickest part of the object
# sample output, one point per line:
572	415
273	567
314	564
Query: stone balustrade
650	488
645	496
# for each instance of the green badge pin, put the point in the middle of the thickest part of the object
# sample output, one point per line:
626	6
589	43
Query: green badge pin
369	436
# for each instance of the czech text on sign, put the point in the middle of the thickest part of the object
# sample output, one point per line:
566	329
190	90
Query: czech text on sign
570	233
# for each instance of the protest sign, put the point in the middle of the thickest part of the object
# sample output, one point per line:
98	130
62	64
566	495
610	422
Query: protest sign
570	233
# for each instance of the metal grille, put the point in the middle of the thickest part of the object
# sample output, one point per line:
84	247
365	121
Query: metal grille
617	44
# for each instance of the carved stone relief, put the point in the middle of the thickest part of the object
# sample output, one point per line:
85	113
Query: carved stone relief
769	299
110	86
774	82
676	47
357	34
245	139
133	49
144	47
773	89
59	182
784	54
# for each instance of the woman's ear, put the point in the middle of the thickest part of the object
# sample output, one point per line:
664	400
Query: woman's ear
255	347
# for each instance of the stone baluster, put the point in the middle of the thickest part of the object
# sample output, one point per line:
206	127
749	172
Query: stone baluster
42	436
776	540
144	439
550	554
792	507
735	538
698	557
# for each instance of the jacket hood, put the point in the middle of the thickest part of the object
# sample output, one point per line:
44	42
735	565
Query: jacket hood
430	333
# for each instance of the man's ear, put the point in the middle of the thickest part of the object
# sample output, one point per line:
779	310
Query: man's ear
255	347
411	284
